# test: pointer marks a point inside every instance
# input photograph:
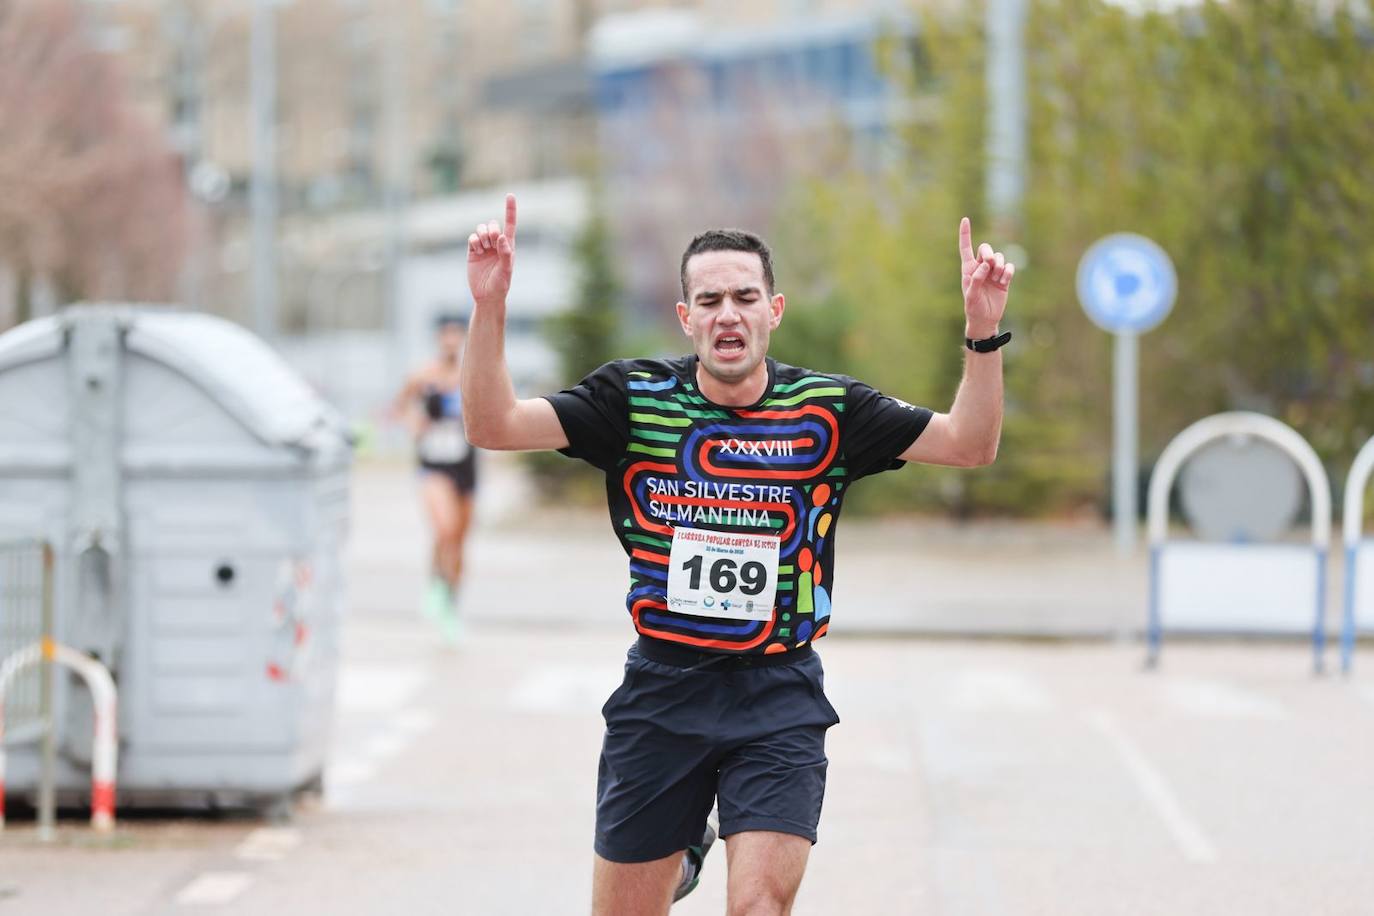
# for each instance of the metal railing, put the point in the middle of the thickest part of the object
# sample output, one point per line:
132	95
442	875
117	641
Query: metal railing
26	703
1190	440
1352	530
25	618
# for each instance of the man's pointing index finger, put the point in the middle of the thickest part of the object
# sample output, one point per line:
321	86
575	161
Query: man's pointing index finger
965	239
510	217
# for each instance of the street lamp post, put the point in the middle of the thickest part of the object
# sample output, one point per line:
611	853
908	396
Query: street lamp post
263	191
1006	82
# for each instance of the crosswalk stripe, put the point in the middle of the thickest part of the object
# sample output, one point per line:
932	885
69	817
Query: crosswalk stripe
988	689
268	844
1187	835
562	688
214	888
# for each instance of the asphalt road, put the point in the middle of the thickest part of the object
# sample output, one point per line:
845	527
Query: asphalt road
968	777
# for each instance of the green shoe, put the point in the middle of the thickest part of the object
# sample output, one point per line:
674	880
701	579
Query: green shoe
695	857
437	600
450	624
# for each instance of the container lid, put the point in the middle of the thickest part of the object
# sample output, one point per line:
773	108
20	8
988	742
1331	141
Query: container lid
238	370
41	338
233	366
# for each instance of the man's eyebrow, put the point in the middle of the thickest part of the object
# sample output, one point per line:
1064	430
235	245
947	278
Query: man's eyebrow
717	293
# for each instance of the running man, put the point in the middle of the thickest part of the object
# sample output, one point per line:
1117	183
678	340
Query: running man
432	406
725	471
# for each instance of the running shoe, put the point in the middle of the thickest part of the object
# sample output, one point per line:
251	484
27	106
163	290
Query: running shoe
437	599
450	624
695	857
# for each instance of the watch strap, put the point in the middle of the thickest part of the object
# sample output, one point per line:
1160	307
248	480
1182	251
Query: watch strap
988	344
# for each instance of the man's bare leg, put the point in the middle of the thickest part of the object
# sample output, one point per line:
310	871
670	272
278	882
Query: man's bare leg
441	505
636	888
766	869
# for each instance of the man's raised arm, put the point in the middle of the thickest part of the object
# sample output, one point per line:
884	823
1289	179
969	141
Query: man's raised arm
492	416
967	436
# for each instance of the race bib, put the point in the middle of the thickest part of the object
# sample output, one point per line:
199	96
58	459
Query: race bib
444	443
722	574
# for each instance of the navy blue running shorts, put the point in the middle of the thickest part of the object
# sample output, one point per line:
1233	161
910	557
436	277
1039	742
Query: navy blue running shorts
685	730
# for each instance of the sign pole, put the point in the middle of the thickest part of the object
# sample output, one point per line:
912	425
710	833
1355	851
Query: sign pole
1127	286
1125	426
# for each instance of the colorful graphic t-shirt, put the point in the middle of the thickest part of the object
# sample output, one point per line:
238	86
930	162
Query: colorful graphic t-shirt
727	514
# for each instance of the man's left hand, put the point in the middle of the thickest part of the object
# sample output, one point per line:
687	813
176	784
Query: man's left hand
986	279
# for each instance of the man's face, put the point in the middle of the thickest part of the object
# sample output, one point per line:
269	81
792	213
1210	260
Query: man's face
730	314
450	340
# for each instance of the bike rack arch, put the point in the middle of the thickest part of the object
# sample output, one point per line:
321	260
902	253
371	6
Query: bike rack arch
105	749
1194	437
1351	523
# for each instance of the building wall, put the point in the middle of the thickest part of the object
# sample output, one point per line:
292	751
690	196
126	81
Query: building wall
189	61
485	93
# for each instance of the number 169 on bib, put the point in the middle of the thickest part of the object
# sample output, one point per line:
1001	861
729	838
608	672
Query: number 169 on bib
723	574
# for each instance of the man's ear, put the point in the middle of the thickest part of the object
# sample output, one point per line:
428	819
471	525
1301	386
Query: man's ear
776	306
682	310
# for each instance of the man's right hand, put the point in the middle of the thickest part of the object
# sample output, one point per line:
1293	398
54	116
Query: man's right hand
491	259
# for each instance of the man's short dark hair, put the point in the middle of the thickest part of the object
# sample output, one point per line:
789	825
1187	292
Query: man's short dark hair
728	240
450	320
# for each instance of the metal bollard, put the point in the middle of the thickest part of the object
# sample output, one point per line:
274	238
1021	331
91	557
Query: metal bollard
106	744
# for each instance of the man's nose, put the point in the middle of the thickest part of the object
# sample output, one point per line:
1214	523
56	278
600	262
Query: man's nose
729	311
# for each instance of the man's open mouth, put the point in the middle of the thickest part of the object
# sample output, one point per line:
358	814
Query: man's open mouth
729	343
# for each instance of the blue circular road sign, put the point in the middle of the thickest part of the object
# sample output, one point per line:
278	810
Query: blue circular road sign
1126	283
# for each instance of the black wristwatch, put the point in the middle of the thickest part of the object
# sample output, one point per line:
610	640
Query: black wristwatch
988	344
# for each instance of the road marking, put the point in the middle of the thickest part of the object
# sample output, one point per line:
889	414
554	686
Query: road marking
214	888
387	744
1188	836
268	844
368	689
987	689
382	697
561	688
347	772
416	721
1217	700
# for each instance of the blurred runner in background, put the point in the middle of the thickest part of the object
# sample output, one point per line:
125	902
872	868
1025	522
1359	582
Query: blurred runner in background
431	406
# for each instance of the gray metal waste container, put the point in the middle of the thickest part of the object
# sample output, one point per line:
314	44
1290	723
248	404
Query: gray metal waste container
196	492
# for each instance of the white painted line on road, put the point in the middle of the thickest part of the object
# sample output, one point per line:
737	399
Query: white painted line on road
214	888
415	721
374	688
348	771
1191	841
991	689
388	744
268	844
380	700
1209	699
561	688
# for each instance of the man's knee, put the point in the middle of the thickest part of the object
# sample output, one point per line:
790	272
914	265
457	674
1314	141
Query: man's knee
766	870
763	899
634	889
